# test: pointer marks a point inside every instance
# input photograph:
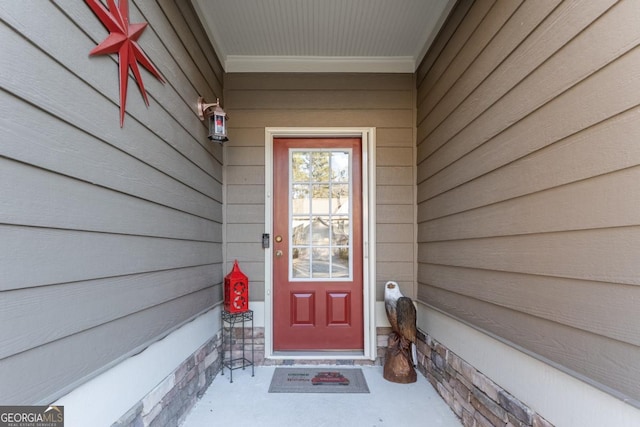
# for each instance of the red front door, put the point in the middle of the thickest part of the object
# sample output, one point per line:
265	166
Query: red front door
317	249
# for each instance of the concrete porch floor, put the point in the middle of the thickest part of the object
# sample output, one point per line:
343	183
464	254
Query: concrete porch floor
247	402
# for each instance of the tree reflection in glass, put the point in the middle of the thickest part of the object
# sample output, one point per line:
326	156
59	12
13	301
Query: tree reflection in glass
320	214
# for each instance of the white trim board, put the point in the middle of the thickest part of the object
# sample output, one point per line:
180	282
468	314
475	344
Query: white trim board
368	136
560	398
103	399
318	64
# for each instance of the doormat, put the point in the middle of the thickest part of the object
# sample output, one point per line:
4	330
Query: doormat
318	380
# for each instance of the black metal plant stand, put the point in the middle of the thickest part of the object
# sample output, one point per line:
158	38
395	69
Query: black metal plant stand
232	363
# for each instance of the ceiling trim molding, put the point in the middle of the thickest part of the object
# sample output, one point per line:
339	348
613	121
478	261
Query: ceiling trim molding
211	31
430	37
318	64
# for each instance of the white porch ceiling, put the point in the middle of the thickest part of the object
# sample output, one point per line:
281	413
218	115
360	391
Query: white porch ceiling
322	35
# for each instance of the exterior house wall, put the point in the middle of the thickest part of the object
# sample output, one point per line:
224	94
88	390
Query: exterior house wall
384	101
111	237
527	158
528	166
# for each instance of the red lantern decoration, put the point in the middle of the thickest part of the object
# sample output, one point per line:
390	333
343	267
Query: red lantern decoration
236	290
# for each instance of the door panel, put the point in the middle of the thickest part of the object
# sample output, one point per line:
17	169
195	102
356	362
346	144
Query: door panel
303	309
317	271
339	308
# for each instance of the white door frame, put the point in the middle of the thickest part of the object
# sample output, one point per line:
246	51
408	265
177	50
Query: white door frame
368	136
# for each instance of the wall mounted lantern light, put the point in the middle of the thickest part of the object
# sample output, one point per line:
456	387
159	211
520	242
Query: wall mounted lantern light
217	119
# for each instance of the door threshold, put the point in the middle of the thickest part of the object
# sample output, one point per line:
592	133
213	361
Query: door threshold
320	355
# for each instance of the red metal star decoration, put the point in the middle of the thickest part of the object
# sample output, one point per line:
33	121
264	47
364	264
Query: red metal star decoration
122	40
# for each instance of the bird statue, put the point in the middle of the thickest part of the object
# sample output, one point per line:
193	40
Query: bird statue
401	355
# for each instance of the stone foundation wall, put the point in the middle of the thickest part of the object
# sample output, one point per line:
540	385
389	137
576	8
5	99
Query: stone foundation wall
474	398
257	339
170	401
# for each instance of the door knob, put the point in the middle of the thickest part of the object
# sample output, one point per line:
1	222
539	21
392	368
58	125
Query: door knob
278	253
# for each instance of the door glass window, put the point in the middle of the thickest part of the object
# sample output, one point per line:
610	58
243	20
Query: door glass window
320	214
